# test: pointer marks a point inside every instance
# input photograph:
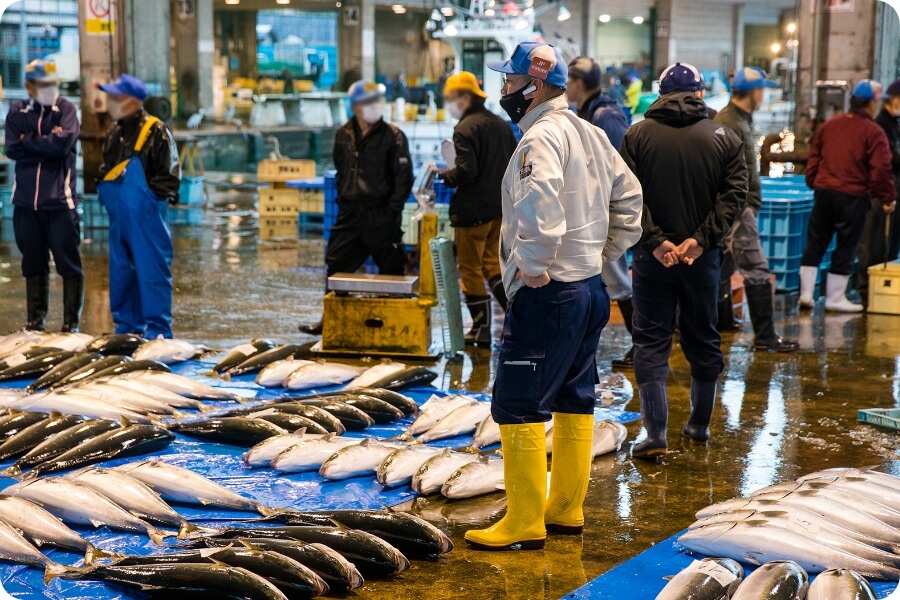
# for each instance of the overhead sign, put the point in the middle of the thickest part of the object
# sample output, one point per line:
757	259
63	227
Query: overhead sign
99	18
351	16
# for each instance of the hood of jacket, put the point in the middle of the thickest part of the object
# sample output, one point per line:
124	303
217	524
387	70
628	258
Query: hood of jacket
678	110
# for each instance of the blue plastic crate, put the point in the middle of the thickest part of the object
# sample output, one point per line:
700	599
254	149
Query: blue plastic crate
184	215
310	224
93	214
442	193
6	205
192	190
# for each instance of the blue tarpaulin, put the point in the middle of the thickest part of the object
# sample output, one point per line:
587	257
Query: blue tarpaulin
642	577
306	491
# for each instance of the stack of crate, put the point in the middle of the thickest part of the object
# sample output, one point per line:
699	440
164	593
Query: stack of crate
278	204
6	185
410	225
311	219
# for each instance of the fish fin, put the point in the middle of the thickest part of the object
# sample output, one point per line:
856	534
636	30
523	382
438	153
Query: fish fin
300	431
178	415
366	443
97	524
187	529
756	522
218	563
54	570
249	546
773	513
446	452
158	535
668	577
240	399
55	414
93	554
403	437
226	376
751	559
328	437
124	422
203	408
268	511
386	507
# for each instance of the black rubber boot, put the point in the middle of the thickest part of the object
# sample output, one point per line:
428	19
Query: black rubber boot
655	416
315	329
703	399
499	292
727	321
627	361
37	292
73	299
480	309
760	298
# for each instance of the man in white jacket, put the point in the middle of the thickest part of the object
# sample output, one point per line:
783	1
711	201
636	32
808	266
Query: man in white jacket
570	204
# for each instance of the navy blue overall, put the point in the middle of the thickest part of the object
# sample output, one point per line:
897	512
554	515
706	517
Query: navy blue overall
140	249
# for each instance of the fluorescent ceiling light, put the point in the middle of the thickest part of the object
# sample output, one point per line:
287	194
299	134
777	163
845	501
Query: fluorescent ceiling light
447	11
450	30
605	18
398	9
638	20
564	14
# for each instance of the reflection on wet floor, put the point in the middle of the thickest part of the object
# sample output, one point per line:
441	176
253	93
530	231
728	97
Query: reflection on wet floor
778	416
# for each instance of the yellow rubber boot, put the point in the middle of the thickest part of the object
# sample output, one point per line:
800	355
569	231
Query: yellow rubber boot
570	473
525	473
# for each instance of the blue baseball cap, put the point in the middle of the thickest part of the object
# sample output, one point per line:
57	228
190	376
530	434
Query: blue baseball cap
867	89
39	71
365	91
541	61
126	85
751	78
680	78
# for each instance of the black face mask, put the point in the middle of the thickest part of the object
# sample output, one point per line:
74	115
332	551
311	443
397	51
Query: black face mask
515	104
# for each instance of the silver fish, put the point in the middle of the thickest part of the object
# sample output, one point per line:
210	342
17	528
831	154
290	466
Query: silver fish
262	454
15	548
400	465
707	579
129	399
868	473
157	393
168	352
436	470
310	456
80	505
275	374
761	543
354	461
461	421
486	434
19	341
435	409
319	375
841	584
608	437
73	402
183	386
475	479
778	580
41	528
134	496
175	484
843	495
75	342
373	374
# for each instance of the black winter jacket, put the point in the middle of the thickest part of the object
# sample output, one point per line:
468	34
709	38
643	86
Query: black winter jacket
159	156
740	122
692	171
484	144
891	126
374	171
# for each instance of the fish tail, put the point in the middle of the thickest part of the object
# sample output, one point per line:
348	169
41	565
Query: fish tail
403	437
240	399
188	530
32	474
268	511
203	408
178	415
226	376
158	535
93	554
54	570
13	471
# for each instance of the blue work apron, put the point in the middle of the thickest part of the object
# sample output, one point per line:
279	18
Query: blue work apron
140	253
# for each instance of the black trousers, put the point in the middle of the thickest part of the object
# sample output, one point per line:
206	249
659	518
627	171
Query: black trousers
360	232
40	232
871	246
658	293
835	213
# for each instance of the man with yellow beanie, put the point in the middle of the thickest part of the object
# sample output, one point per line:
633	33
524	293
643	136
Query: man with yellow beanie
484	144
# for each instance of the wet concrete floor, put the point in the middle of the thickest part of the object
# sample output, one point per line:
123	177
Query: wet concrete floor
778	416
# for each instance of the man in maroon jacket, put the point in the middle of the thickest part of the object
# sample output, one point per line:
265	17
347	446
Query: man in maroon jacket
849	163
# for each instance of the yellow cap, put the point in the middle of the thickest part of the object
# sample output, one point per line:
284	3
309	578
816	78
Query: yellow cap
463	82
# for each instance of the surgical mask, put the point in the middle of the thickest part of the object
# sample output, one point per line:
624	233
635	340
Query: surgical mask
47	96
515	104
116	110
455	110
372	113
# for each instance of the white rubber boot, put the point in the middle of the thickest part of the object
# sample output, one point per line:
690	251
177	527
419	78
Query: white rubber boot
808	277
835	300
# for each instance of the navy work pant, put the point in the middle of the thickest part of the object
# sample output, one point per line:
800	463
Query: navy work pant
835	213
548	351
658	294
360	232
40	232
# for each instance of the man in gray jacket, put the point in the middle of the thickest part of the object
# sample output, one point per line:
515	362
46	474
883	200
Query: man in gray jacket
570	204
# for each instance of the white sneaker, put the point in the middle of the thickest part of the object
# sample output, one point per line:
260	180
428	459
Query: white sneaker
836	300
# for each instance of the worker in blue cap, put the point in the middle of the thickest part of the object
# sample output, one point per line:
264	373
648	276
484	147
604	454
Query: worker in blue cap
889	120
743	248
374	178
570	204
849	168
694	178
41	134
139	178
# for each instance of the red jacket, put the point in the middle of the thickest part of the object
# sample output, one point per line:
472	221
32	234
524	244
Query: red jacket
850	154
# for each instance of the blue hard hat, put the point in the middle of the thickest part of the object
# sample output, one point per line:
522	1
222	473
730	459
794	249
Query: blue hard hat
751	78
867	89
41	72
541	61
364	91
126	85
680	77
